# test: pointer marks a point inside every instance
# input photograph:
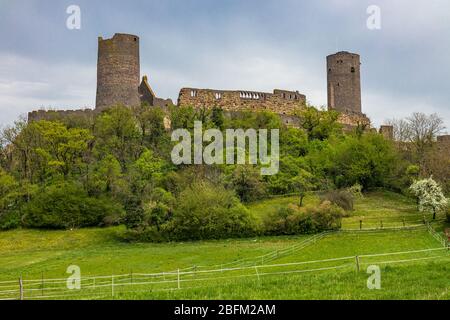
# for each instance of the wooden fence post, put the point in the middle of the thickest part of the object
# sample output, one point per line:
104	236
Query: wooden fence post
178	274
112	286
21	287
357	263
42	284
257	273
360	224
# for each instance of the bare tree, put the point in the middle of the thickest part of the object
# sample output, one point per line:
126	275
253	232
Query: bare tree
423	130
401	130
418	131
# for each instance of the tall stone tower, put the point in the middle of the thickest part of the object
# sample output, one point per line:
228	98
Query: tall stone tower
118	71
344	82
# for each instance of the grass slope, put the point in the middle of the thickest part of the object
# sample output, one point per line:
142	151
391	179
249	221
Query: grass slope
34	254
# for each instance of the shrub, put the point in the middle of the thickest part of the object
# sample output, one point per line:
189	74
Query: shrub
204	211
295	220
342	198
356	191
67	206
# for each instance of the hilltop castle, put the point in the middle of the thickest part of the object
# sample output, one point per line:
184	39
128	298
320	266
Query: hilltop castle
119	83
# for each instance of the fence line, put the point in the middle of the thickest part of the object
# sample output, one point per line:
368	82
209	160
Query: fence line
181	276
28	287
437	236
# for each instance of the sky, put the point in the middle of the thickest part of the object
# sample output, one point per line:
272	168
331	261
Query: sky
254	45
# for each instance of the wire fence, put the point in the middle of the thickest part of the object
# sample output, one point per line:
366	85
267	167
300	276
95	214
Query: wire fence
111	286
437	236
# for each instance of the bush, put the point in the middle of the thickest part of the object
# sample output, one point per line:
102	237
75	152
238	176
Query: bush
342	198
67	206
448	213
295	220
204	211
356	191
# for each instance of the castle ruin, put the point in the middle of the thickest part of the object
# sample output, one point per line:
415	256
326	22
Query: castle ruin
118	83
280	101
443	143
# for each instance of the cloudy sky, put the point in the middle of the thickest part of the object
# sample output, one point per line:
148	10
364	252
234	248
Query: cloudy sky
229	44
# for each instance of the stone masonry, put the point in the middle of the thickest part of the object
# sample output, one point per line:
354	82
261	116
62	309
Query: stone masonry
118	71
344	82
118	75
443	143
280	101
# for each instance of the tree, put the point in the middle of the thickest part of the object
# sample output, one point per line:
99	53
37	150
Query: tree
419	130
430	195
246	181
146	172
217	118
62	149
319	124
369	160
117	133
304	183
151	124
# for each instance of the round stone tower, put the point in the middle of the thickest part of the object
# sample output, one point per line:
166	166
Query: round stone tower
344	82
118	71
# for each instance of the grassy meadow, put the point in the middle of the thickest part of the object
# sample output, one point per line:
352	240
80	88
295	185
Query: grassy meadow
255	268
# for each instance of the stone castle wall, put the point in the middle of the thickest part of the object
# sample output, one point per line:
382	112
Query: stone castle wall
344	82
280	101
51	115
118	83
387	131
353	119
443	143
118	71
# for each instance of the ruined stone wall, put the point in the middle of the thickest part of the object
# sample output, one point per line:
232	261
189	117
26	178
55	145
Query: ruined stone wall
443	143
344	82
51	115
353	119
148	96
118	71
387	132
280	101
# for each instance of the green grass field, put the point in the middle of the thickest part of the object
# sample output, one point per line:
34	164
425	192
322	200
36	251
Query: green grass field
256	268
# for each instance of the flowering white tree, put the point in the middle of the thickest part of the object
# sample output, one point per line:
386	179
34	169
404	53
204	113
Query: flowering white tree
430	195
